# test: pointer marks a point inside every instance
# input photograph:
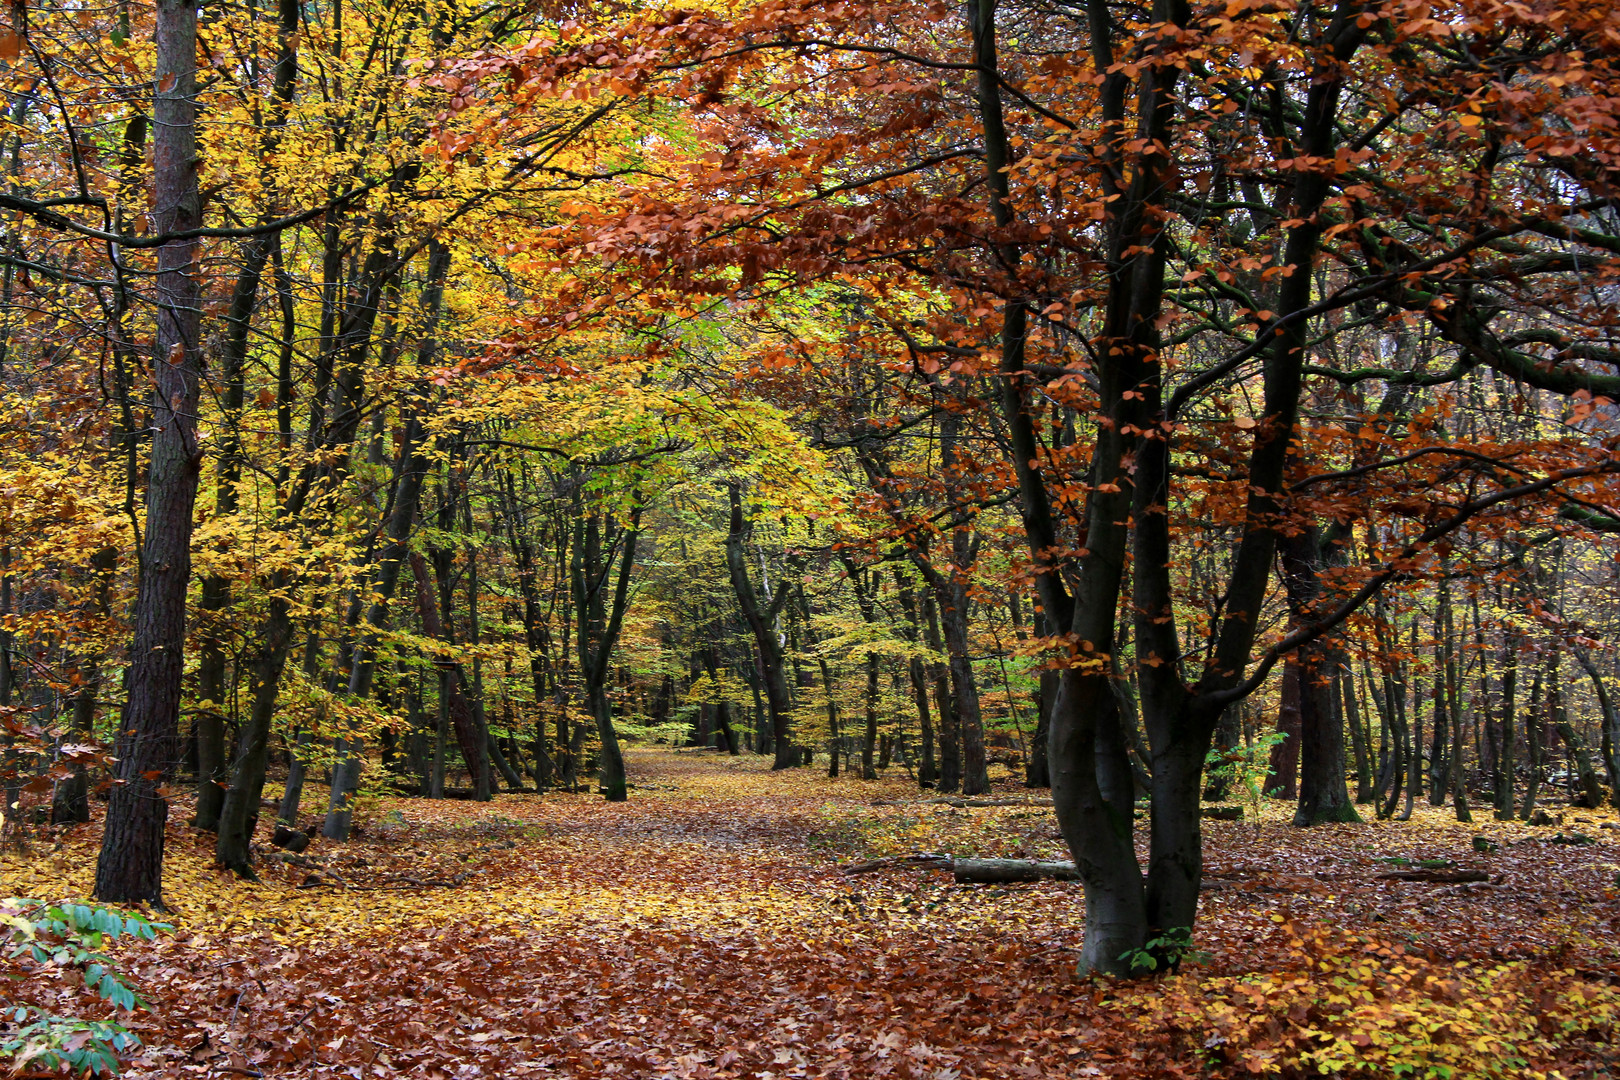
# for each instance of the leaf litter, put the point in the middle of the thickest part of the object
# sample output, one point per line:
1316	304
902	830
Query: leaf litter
705	929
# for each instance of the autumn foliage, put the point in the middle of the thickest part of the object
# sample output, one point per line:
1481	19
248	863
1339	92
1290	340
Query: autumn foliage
448	450
706	929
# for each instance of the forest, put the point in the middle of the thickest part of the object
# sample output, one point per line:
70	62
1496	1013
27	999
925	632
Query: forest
810	538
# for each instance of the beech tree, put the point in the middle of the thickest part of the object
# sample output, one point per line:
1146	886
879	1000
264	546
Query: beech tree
1011	392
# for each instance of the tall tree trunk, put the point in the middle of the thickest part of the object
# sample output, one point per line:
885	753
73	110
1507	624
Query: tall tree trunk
761	620
1502	775
472	739
598	633
1611	725
722	716
297	763
1282	779
832	718
216	591
1397	764
927	773
1360	736
950	745
1534	725
130	867
964	690
870	734
1323	796
239	812
1414	750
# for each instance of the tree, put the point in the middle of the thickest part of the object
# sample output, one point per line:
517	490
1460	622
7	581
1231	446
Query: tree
131	864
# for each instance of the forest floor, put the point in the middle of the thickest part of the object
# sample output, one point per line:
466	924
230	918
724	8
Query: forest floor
706	929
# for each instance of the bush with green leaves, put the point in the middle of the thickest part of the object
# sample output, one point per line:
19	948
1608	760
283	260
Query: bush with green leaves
72	936
1169	950
1244	769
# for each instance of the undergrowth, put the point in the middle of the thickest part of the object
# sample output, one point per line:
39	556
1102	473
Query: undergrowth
1361	1005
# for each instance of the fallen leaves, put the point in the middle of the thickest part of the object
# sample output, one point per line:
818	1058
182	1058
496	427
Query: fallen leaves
703	930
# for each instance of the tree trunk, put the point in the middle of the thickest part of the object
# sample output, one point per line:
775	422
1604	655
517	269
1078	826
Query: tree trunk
1533	728
927	773
964	691
1323	796
470	736
598	633
761	620
1282	779
292	795
1611	725
832	718
1360	736
1100	828
870	733
728	734
950	752
1502	777
239	813
1591	788
130	867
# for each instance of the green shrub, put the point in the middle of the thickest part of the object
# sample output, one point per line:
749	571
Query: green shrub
70	936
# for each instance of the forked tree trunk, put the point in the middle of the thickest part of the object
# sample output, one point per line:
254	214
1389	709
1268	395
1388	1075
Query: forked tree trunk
1095	828
761	620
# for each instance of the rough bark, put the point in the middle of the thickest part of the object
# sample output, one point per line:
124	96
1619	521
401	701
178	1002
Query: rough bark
130	867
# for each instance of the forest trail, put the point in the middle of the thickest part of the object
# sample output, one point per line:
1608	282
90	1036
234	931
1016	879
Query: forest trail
703	929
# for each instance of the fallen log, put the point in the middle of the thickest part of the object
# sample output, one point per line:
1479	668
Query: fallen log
997	871
962	803
925	862
1437	877
973	871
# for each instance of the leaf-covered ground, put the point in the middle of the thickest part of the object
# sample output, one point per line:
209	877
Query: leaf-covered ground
705	929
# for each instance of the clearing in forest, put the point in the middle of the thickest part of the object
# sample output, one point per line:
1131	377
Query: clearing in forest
707	928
